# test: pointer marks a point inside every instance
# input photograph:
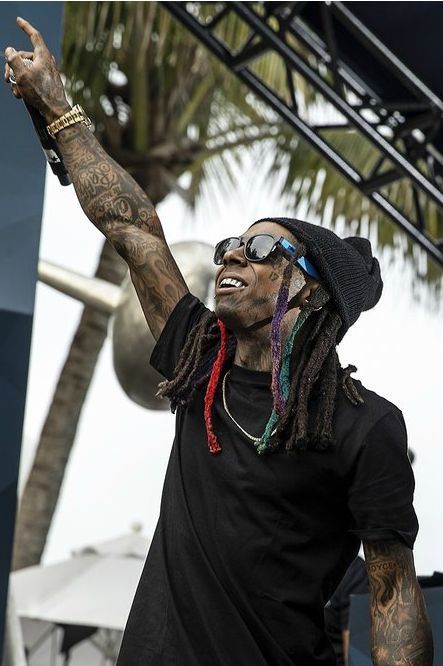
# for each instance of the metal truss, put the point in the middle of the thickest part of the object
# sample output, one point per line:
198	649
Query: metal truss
402	131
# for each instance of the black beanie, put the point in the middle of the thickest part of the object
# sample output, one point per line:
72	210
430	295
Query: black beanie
348	271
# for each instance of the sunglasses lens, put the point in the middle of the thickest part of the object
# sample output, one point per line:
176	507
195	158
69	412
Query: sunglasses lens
223	247
258	247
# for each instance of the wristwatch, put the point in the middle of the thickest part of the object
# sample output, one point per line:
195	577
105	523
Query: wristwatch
75	115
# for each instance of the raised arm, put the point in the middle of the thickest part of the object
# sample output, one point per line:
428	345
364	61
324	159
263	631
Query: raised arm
109	196
120	209
400	629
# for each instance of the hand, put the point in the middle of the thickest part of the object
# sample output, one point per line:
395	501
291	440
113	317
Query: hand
39	84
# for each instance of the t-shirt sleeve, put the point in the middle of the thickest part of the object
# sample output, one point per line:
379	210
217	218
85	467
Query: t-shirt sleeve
382	487
188	312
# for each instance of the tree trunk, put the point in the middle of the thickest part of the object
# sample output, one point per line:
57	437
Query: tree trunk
42	488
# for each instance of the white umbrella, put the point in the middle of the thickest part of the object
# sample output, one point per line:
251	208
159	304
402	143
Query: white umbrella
94	588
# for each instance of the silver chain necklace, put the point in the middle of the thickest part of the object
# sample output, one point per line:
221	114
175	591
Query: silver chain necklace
251	437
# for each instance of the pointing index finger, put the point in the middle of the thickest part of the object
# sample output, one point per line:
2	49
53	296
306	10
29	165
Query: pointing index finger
33	34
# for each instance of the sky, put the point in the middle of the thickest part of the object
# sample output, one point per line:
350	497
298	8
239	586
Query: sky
115	474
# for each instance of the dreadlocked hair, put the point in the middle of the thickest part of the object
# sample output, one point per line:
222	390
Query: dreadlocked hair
315	368
203	338
308	360
198	362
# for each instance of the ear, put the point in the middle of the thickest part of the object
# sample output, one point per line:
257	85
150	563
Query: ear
306	292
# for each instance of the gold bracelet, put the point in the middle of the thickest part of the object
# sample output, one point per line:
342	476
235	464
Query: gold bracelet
75	115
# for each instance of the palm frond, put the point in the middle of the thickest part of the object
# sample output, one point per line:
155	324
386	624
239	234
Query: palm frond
149	85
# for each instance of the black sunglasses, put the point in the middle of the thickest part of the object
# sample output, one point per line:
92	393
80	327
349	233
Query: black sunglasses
260	247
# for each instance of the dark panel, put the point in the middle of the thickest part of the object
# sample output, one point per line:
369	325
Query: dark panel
22	177
360	59
411	30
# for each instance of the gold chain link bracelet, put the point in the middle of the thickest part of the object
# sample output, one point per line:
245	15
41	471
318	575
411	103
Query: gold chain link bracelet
75	115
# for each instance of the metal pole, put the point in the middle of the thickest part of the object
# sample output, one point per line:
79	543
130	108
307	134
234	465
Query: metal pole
14	648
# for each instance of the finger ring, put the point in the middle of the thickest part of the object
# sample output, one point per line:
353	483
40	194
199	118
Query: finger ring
12	81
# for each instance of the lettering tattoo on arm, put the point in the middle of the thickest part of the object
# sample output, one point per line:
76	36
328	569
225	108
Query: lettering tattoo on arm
122	211
400	629
109	196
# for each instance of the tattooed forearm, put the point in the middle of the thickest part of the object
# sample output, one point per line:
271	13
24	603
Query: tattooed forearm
123	213
401	633
109	196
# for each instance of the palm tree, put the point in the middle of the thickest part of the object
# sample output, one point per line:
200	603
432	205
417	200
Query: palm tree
163	107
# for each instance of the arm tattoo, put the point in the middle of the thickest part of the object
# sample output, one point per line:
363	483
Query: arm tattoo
108	195
121	210
157	281
401	632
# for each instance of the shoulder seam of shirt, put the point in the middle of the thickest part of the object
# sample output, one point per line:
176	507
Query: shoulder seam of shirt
393	409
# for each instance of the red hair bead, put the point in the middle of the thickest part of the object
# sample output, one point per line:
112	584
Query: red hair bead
217	367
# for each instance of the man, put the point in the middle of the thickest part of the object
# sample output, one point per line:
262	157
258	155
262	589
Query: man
281	462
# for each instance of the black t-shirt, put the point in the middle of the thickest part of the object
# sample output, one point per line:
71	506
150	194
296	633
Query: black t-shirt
355	581
248	549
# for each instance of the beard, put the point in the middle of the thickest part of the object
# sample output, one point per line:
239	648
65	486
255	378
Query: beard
239	314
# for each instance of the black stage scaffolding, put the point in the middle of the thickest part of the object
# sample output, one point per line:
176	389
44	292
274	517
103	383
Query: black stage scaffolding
378	64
